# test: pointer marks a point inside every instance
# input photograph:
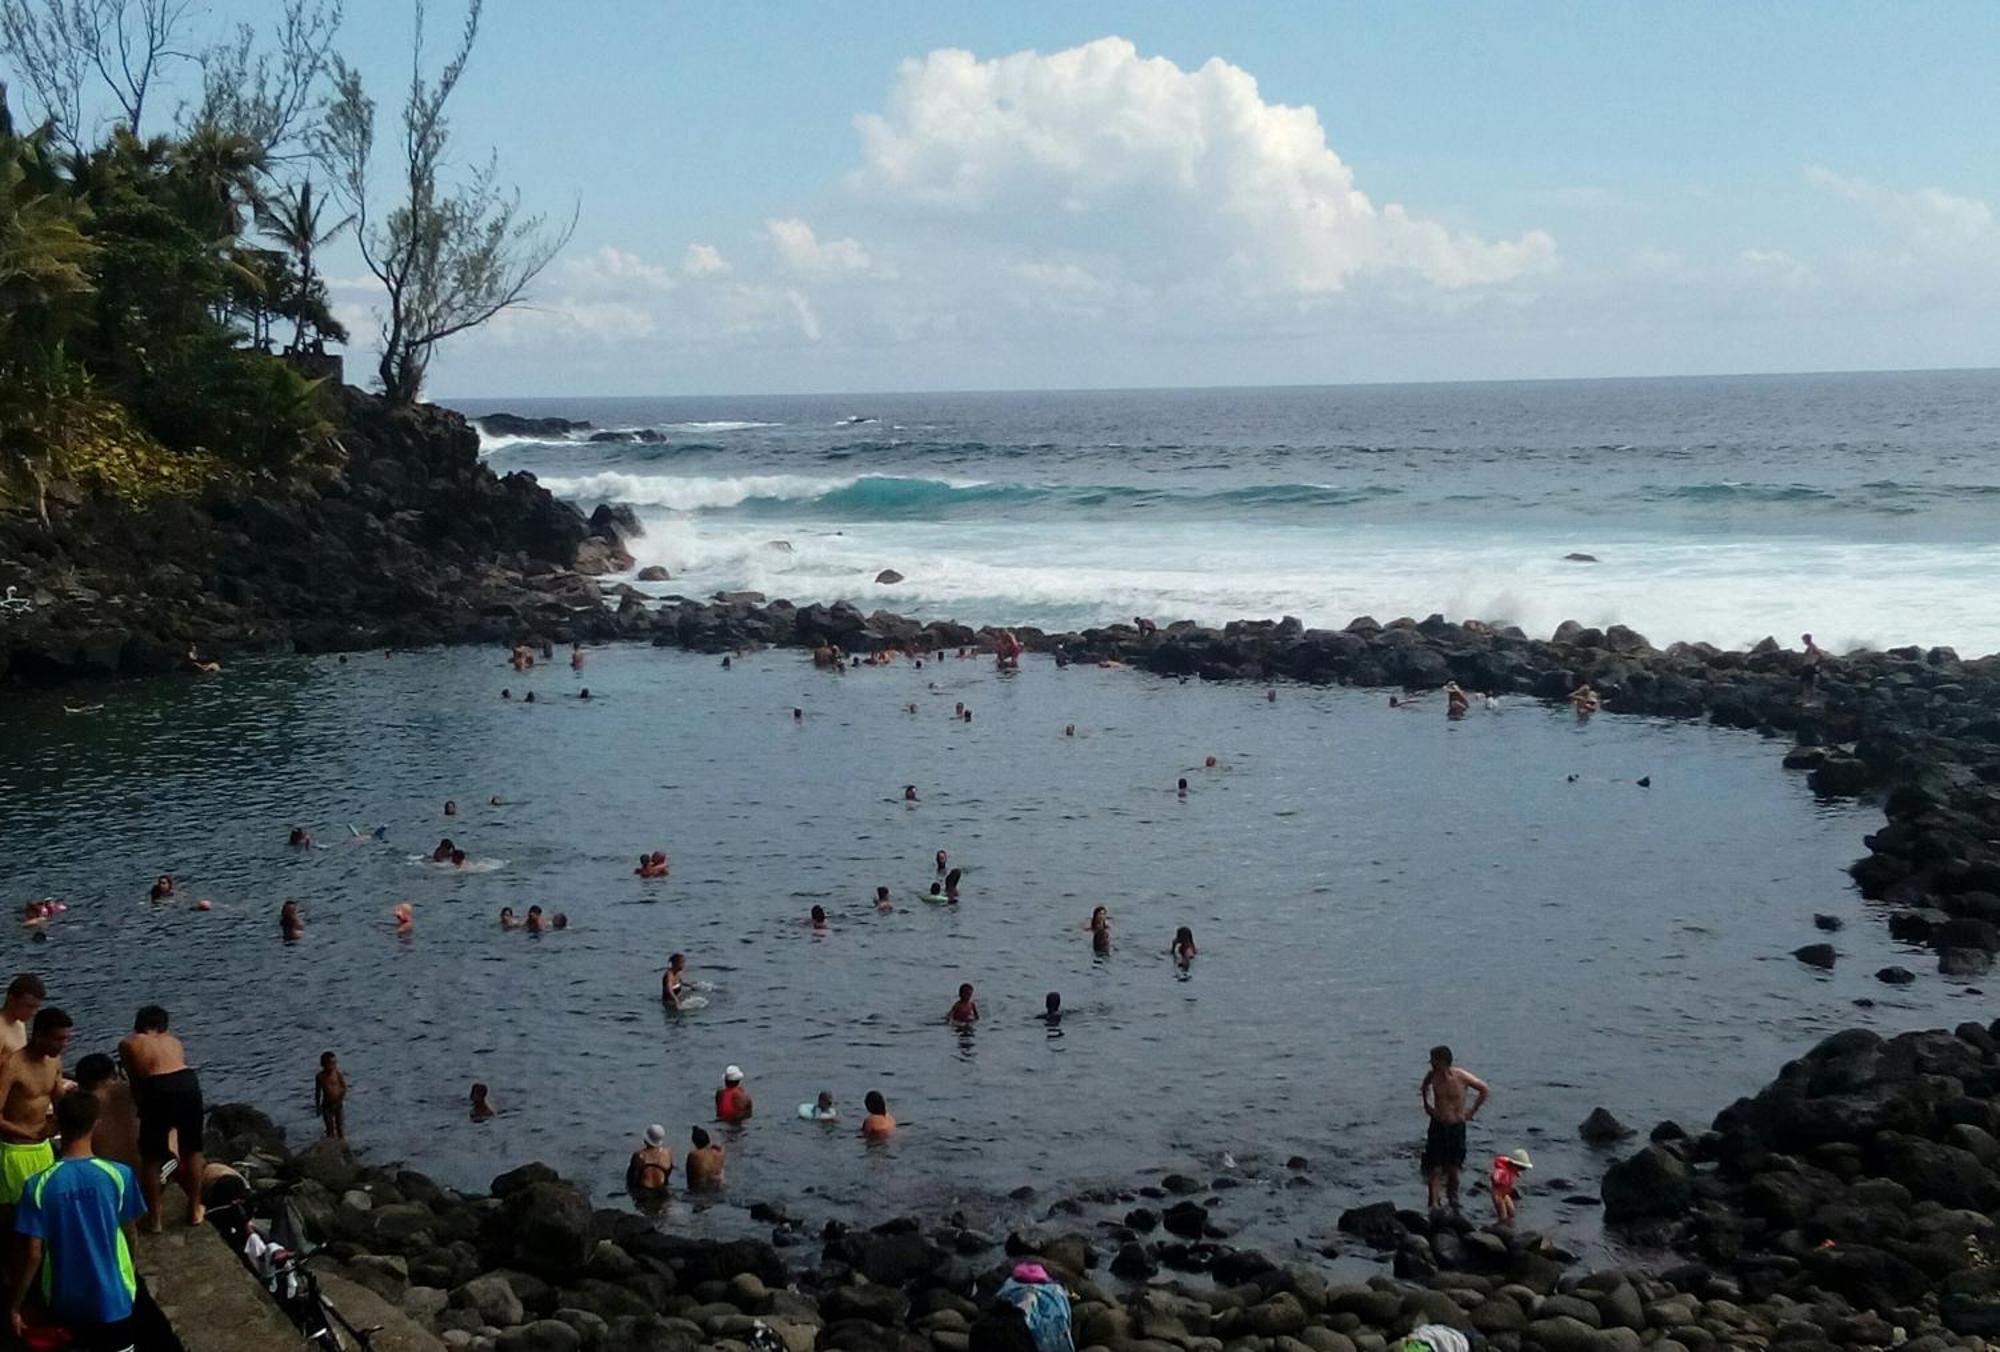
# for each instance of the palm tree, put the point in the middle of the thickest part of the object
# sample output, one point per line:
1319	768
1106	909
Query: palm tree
293	220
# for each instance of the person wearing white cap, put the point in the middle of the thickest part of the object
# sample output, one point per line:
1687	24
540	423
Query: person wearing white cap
651	1166
1507	1170
732	1101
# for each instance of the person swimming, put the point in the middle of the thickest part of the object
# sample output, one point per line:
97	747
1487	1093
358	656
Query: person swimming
1181	788
507	920
951	885
163	887
451	807
652	865
584	693
1455	702
1100	930
458	858
442	854
482	1110
533	924
404	917
300	838
882	902
818	918
670	982
965	1012
909	793
559	921
290	923
528	698
1183	949
943	861
1052	1011
937	891
576	657
878	1125
820	1109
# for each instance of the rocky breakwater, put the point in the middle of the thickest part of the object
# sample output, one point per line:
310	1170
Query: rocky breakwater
1862	1185
403	539
1918	728
534	1267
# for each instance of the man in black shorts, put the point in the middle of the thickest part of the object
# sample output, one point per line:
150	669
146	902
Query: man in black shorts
1443	1094
170	1111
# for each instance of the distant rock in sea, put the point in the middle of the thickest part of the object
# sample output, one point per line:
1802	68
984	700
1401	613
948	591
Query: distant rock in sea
514	425
1579	558
887	576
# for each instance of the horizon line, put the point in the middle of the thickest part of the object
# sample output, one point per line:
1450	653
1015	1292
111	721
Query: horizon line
1190	389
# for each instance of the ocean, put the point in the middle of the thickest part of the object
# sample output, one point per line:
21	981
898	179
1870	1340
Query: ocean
1864	509
1362	881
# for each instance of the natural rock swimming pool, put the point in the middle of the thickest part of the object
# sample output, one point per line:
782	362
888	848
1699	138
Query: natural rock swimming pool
1362	881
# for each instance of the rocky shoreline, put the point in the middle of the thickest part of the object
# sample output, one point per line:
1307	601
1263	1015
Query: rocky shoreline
1848	1205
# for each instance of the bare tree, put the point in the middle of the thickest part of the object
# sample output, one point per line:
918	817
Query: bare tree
57	44
449	257
270	96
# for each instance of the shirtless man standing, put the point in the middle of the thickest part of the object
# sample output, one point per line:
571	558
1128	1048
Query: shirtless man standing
1443	1095
25	994
30	1082
169	1099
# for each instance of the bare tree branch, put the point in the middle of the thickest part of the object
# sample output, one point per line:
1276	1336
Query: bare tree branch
271	96
449	258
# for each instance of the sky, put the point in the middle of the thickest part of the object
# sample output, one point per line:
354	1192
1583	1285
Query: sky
897	196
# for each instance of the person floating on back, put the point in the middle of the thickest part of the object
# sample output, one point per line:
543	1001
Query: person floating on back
1443	1094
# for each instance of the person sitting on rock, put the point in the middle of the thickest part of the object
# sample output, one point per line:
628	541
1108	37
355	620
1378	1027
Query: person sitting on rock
704	1163
732	1101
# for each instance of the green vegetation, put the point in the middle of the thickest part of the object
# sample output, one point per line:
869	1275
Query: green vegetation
147	281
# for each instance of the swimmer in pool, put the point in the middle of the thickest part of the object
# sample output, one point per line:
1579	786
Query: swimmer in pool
878	1125
507	920
704	1164
882	902
481	1109
1183	949
966	1012
1100	930
670	982
290	923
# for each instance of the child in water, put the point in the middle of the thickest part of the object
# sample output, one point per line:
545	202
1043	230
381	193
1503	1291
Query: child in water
1183	949
481	1109
330	1096
1507	1170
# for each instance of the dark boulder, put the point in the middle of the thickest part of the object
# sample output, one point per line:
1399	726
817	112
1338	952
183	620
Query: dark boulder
1601	1128
550	1226
1821	956
1653	1184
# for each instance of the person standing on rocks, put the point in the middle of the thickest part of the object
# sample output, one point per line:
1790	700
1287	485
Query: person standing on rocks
170	1111
1809	672
1443	1094
25	994
30	1081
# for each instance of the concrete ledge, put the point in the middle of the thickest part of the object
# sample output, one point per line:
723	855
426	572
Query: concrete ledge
394	1331
208	1297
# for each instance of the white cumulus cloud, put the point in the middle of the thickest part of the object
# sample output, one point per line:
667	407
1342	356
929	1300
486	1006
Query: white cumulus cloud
1174	173
800	250
703	260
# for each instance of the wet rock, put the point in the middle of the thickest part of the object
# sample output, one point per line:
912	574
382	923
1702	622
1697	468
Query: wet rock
1652	1184
654	572
1189	1220
1816	955
1601	1128
329	1163
491	1299
1831	924
1134	1263
551	1231
1375	1225
888	577
1895	976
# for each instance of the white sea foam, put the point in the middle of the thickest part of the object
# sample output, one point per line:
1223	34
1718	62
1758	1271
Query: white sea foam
694	492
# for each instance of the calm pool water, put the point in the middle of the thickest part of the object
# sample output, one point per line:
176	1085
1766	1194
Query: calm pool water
1362	881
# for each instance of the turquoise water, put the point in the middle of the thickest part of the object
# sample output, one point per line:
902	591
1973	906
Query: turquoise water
1862	508
1363	882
